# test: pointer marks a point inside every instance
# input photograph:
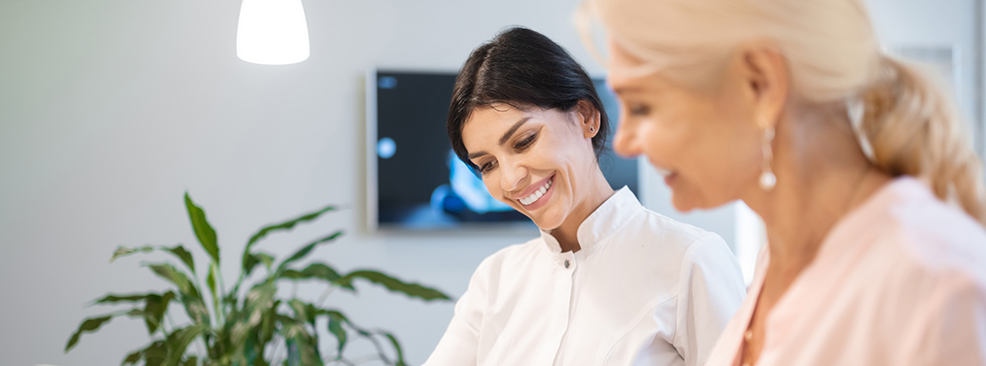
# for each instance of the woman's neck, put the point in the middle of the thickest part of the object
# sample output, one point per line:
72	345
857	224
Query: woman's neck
597	192
822	174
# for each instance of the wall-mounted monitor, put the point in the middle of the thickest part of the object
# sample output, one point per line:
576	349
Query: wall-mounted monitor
416	182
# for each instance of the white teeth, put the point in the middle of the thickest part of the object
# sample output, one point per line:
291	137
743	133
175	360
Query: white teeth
663	172
536	195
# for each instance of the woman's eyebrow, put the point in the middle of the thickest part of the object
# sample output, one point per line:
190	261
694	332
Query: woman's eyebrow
626	90
503	140
510	132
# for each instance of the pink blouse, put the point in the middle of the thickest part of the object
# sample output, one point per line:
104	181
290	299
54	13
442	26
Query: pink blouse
901	280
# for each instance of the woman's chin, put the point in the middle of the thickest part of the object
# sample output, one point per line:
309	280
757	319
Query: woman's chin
683	204
546	221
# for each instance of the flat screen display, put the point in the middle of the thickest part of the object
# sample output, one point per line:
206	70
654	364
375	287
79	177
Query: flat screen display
417	181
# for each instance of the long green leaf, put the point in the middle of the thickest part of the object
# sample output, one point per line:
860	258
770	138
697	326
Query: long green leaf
251	352
315	271
211	282
88	326
133	358
254	259
154	310
190	295
178	251
267	323
113	299
301	253
303	312
302	347
287	225
156	354
178	341
186	257
203	230
153	355
91	325
258	301
335	327
122	251
397	348
392	284
175	276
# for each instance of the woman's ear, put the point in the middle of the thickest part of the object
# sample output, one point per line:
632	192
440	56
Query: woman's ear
764	72
588	117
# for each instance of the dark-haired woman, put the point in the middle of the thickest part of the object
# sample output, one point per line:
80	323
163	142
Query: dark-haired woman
608	282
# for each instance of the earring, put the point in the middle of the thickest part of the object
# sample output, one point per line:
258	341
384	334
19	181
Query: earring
592	129
767	178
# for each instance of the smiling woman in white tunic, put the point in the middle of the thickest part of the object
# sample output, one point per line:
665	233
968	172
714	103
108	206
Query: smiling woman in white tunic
608	282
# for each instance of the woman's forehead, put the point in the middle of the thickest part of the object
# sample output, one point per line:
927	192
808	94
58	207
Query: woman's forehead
487	120
497	112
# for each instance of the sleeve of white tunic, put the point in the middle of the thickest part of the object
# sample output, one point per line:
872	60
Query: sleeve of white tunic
711	290
461	340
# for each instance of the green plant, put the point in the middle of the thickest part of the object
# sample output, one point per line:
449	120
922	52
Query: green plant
248	327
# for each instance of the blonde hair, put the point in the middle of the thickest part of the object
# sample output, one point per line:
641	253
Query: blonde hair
833	56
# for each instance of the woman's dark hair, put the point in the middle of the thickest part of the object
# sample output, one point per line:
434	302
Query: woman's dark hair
521	67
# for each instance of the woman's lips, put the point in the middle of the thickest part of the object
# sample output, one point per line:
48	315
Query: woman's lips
533	187
670	178
539	201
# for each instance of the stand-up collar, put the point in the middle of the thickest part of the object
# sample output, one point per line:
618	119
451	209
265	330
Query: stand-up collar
601	223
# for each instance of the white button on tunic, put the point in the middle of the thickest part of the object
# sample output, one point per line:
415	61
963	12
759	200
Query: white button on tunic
643	290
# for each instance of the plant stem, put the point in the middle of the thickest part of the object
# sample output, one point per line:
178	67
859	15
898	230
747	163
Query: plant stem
344	362
203	347
170	321
325	295
366	359
222	285
383	356
277	347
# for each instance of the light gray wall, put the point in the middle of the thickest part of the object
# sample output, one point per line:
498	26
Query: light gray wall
922	23
110	110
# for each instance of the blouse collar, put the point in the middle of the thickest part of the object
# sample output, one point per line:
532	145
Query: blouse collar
606	220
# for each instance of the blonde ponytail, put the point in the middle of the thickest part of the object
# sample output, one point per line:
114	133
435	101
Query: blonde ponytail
914	129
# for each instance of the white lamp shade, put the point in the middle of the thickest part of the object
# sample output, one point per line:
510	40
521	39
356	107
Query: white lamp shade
272	32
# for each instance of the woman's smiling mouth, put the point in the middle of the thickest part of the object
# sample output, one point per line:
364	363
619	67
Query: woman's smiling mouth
537	195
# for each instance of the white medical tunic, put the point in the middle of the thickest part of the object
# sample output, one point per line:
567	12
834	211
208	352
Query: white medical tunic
643	290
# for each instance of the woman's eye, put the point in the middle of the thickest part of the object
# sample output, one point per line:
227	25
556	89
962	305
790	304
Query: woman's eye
637	109
485	167
525	143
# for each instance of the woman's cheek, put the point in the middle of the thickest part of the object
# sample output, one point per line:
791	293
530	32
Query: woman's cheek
494	191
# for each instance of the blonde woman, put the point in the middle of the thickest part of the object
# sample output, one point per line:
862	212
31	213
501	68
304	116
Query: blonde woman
872	197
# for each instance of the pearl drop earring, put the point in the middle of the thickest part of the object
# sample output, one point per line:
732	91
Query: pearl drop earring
767	178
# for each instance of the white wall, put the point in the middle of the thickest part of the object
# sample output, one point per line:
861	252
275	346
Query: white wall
921	23
110	110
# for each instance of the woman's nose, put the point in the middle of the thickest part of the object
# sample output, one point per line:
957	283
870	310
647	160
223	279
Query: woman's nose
511	176
625	141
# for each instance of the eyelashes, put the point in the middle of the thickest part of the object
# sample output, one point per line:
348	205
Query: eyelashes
519	147
527	142
485	167
637	109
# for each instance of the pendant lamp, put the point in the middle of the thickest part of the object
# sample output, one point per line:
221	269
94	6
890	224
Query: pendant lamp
272	32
